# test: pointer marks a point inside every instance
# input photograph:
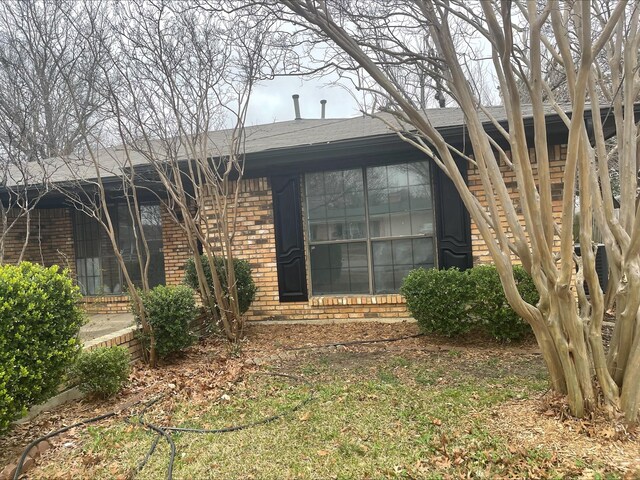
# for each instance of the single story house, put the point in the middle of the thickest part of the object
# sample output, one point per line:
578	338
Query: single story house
332	215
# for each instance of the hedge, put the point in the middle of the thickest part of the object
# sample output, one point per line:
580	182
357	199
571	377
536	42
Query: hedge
39	324
451	302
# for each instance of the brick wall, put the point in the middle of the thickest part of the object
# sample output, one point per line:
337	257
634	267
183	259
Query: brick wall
255	242
557	158
51	243
176	249
50	239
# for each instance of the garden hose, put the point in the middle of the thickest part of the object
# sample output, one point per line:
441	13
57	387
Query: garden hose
23	457
165	432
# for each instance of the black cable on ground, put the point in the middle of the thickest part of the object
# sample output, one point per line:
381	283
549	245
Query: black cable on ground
357	342
236	428
23	457
172	447
166	430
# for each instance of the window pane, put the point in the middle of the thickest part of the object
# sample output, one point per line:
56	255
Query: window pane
377	178
419	173
98	270
318	231
402	252
383	278
397	175
314	183
359	280
335	205
399	205
358	255
320	256
398	199
354	203
422	222
321	280
398	190
400	224
423	252
420	197
378	201
393	259
339	268
399	272
382	253
334	182
316	207
380	226
353	181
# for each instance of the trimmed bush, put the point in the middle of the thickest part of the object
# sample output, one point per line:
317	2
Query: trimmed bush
439	300
244	282
39	324
102	372
170	312
490	305
451	302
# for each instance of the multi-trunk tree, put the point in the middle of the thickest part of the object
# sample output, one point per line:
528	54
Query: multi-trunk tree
596	44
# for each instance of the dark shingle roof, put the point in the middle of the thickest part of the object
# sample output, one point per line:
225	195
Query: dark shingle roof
271	137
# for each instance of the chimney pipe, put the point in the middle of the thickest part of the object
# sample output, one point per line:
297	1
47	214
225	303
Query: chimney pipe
296	105
323	103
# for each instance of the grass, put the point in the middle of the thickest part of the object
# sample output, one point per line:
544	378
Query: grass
373	416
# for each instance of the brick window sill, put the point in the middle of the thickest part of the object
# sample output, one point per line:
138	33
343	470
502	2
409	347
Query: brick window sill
330	300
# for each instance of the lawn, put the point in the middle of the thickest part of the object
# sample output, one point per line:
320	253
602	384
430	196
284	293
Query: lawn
418	408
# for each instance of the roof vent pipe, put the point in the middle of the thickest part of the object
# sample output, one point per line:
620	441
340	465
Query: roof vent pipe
296	106
323	103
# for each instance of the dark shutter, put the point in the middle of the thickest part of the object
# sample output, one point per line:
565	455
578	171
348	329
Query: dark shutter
453	227
287	218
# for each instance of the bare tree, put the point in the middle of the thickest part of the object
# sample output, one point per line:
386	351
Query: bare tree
375	36
173	75
47	103
22	186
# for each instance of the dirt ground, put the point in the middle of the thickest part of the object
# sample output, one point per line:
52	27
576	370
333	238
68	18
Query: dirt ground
206	370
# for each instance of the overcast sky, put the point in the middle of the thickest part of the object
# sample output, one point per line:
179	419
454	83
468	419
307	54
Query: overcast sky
271	100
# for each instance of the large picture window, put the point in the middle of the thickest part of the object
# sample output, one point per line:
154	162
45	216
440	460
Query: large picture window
97	269
368	227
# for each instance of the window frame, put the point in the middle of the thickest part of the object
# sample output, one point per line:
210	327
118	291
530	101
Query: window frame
368	240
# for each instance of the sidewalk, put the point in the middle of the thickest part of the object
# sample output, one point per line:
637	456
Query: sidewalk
104	323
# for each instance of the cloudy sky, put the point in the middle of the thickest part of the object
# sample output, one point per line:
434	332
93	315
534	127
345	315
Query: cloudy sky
271	101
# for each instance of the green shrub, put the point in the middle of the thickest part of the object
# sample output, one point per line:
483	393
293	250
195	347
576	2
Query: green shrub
439	300
490	305
244	282
451	302
39	324
170	311
102	372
